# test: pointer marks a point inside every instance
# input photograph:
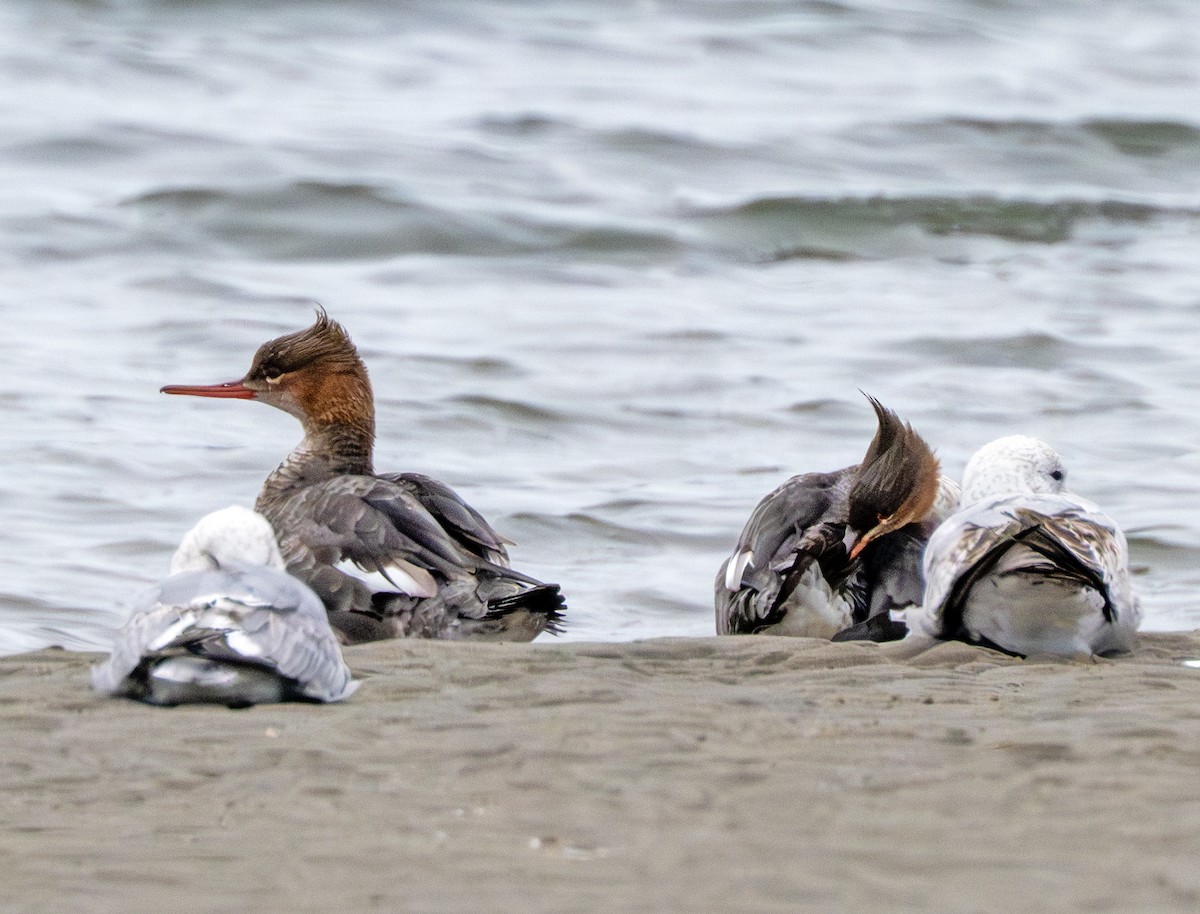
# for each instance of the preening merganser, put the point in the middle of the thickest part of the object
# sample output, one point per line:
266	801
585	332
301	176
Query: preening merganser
1026	566
229	626
445	571
826	552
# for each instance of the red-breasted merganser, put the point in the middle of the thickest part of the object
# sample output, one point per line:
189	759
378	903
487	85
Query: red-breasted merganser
229	626
445	571
832	555
1026	566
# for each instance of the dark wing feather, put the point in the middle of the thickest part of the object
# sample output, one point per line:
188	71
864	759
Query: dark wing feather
987	553
147	625
378	523
1058	541
466	525
802	521
880	627
892	564
371	522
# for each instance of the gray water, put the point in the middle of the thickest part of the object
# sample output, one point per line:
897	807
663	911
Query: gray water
617	268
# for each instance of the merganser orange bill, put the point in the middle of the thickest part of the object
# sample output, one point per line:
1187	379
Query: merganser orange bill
230	390
833	555
391	555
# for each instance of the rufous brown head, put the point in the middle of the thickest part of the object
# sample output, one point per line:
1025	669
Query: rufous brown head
896	483
314	374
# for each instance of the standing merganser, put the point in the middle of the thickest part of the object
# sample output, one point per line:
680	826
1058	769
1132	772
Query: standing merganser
444	570
1026	566
229	626
830	552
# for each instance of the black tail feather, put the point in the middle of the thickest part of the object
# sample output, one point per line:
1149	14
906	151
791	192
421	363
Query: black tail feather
544	599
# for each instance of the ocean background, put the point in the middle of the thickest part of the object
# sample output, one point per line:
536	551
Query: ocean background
617	269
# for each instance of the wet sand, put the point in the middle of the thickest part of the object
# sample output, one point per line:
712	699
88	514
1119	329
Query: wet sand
723	775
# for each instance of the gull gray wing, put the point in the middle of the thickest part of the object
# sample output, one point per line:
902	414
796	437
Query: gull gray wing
1069	537
149	623
300	648
248	586
163	614
253	615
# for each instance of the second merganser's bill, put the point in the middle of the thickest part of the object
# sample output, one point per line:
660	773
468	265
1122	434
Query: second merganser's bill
1026	566
229	626
445	571
828	552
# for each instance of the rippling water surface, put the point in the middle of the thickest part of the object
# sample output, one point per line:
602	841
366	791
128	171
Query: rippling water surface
617	268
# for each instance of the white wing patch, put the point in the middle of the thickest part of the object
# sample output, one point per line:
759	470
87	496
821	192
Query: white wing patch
244	644
736	568
400	575
168	636
196	671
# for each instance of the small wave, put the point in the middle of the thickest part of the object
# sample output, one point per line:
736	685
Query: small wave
690	335
509	409
76	151
1036	349
654	144
1162	547
479	366
328	220
1028	350
823	405
590	526
520	125
317	219
847	228
1149	139
1127	136
658	146
611	239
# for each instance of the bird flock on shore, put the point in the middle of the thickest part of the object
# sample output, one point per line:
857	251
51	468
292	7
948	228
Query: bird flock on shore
259	602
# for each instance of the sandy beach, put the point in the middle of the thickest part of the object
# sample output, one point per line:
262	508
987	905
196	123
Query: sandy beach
723	775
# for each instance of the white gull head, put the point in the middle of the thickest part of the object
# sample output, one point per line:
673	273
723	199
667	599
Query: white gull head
1016	465
231	536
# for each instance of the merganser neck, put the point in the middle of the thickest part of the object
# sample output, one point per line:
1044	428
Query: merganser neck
346	448
334	450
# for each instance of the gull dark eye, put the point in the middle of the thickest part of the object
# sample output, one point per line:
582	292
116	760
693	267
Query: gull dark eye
1057	475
